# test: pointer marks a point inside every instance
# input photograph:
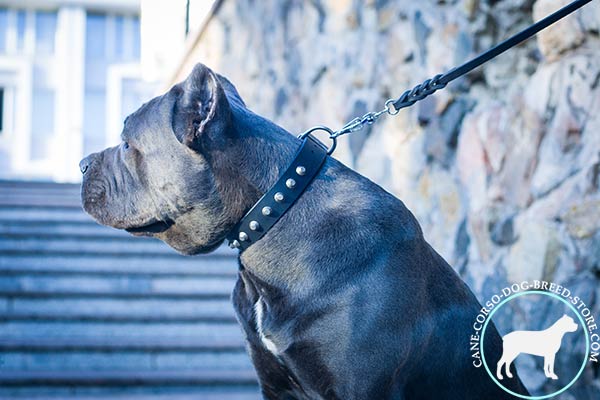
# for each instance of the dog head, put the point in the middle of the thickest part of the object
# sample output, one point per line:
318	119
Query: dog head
568	324
173	175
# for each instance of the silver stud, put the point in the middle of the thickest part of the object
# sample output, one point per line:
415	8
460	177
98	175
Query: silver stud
266	211
254	225
290	183
278	197
234	245
300	170
243	236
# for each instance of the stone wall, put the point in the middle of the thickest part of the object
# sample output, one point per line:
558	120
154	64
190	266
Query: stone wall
502	168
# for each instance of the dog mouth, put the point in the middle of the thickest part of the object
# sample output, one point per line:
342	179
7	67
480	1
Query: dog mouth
151	228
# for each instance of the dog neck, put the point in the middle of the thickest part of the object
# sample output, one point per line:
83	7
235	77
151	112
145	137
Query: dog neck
248	162
263	153
264	149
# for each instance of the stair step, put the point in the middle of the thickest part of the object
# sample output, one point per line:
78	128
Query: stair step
46	214
141	247
110	309
128	360
34	329
212	344
37	187
40	199
75	245
73	193
130	286
130	378
194	393
215	263
7	184
46	294
23	229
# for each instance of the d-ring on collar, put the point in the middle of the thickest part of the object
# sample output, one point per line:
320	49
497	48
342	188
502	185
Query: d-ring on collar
290	186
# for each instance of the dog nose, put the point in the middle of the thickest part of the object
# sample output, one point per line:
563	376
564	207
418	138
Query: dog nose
84	165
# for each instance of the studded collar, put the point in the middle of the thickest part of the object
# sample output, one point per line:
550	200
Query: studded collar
282	195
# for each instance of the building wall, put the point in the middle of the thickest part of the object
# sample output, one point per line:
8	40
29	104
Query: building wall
168	30
501	168
70	73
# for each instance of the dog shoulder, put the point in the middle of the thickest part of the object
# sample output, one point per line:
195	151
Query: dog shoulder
352	195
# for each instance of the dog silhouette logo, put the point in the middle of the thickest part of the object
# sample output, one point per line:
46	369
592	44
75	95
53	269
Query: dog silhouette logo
545	343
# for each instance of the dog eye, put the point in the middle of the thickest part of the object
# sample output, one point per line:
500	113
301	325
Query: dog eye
125	145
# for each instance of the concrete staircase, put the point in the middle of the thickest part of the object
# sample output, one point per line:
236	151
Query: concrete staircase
90	312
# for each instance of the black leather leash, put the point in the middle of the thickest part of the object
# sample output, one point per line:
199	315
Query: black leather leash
312	153
428	87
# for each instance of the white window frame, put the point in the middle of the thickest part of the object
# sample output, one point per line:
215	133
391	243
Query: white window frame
18	76
24	163
64	152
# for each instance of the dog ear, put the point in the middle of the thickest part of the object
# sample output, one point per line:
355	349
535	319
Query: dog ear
201	111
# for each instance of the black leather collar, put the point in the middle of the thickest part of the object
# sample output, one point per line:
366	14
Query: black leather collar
273	204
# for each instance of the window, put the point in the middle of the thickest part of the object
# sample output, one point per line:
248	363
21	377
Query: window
94	113
7	109
30	33
94	120
45	32
95	37
127	39
100	46
42	123
135	50
3	29
1	110
119	36
111	90
21	26
133	93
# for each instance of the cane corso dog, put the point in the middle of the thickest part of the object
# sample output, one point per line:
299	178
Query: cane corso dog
342	299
